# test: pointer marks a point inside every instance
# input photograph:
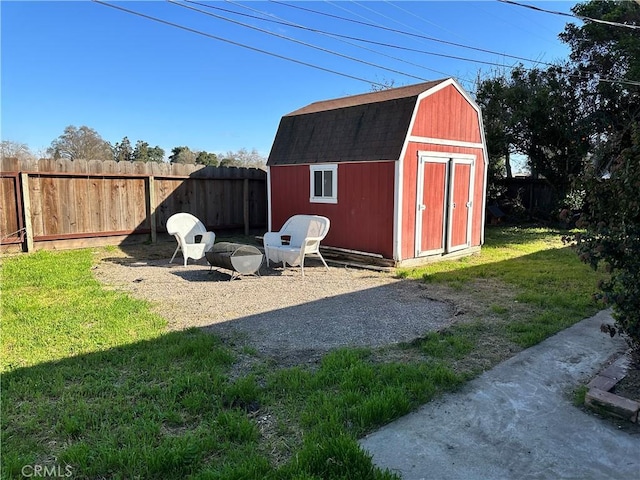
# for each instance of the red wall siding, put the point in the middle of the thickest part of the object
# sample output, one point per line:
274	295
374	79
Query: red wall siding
363	217
408	222
447	114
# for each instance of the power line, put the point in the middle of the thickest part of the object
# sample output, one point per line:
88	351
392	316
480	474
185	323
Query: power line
338	35
416	35
422	19
282	57
583	18
325	50
600	78
335	36
208	35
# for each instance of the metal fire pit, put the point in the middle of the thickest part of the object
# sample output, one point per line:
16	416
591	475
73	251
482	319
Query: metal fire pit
239	258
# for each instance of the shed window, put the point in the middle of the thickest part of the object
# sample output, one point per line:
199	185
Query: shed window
324	184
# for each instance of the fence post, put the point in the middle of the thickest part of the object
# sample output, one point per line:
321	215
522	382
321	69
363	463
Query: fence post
151	207
26	211
245	203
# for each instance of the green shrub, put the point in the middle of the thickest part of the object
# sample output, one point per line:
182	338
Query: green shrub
611	237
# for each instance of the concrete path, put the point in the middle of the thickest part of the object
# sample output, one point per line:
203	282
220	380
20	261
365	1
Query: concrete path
517	421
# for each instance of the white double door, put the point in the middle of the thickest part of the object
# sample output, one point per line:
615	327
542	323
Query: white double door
444	207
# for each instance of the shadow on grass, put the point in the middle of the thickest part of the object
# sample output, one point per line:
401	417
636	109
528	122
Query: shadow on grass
173	406
166	408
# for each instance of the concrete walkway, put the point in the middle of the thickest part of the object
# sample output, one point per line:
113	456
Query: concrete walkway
517	421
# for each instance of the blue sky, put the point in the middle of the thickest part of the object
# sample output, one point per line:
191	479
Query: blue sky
83	63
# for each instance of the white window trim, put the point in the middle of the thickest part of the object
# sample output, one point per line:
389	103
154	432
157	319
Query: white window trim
334	183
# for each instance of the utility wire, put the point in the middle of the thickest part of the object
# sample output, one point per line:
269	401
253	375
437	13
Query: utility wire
321	32
600	78
204	34
300	42
349	37
282	57
422	19
585	19
425	37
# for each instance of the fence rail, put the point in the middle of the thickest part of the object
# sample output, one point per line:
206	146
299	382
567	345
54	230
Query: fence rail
60	203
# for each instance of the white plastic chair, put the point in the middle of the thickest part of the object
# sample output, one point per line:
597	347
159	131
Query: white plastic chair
304	233
191	235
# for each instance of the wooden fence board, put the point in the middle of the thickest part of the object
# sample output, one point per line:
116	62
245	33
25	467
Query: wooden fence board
9	221
51	208
71	201
67	202
137	205
35	194
83	206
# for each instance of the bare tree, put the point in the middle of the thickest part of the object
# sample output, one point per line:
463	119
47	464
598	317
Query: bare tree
82	143
11	149
243	158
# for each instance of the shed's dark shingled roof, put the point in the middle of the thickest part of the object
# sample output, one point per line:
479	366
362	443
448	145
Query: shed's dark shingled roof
371	126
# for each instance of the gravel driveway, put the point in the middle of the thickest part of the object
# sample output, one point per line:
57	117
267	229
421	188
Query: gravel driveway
280	313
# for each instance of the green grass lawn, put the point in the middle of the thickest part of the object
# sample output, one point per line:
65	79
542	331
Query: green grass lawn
92	381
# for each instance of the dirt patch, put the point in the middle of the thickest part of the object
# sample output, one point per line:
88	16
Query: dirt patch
629	386
284	316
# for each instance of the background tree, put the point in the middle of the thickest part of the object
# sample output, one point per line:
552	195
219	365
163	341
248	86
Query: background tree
11	149
492	99
205	158
384	84
547	126
143	153
243	158
82	143
123	152
536	113
611	220
156	154
607	59
182	155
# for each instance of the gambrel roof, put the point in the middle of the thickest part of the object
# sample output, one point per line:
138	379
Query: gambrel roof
367	127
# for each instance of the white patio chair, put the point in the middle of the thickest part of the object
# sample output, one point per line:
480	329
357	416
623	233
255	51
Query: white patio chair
299	237
192	236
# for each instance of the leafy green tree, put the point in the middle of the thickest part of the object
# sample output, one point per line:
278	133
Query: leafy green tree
123	152
535	113
81	143
491	96
611	238
143	153
156	154
182	155
205	158
607	60
547	126
140	152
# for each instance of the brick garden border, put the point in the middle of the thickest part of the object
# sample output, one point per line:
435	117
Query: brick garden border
600	398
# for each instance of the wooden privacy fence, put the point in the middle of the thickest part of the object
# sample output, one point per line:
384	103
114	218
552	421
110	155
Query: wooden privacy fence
70	204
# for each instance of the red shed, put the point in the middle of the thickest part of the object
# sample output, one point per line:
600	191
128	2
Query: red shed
400	173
